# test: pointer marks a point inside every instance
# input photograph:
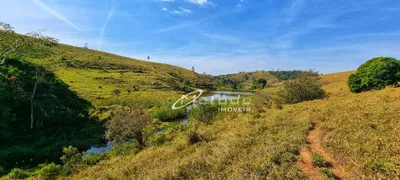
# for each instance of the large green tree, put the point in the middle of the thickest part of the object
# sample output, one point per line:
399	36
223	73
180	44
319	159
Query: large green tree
376	73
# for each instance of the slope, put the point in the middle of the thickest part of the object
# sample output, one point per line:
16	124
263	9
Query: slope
358	131
107	79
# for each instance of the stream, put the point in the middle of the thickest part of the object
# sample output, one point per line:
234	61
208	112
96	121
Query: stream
209	96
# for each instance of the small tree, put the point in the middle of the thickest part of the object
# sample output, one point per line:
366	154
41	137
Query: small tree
7	27
261	100
50	172
376	73
128	123
259	84
305	87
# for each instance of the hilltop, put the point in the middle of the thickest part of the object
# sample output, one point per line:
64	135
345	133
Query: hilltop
105	78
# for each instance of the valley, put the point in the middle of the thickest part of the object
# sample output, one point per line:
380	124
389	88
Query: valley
328	133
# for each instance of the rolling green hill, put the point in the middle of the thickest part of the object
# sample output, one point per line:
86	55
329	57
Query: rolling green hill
72	75
343	135
107	79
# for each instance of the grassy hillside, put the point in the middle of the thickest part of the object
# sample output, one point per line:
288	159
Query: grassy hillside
102	79
106	79
357	130
357	133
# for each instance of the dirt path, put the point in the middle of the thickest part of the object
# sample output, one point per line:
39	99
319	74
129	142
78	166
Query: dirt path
314	139
306	164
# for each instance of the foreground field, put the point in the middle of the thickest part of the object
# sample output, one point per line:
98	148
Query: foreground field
357	134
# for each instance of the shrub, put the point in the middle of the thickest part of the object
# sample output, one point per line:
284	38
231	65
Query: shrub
192	135
17	173
158	139
305	87
128	123
167	115
376	73
71	155
50	172
261	100
259	84
204	112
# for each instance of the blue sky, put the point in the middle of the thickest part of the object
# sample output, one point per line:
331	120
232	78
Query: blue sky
221	36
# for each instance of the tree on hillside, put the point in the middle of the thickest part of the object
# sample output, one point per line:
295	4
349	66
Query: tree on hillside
305	87
39	47
259	84
9	45
7	27
61	117
128	123
376	73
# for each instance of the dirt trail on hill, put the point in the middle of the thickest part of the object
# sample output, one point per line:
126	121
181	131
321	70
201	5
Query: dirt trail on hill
306	164
314	140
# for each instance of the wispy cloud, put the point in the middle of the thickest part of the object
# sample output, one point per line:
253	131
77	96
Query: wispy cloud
104	27
201	2
109	16
182	11
166	0
56	14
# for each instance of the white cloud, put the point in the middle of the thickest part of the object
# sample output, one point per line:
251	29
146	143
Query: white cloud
164	9
56	14
166	0
182	11
201	2
187	11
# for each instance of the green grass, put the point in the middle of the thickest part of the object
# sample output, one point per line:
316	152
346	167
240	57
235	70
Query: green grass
359	130
106	79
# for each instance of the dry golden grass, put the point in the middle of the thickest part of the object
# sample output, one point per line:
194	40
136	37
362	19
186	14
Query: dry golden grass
360	131
235	148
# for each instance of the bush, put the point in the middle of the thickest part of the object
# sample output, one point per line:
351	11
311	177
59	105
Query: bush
261	100
50	172
128	123
204	112
305	87
376	73
192	135
259	84
167	115
17	173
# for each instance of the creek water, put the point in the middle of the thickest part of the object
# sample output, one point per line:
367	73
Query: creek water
209	96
